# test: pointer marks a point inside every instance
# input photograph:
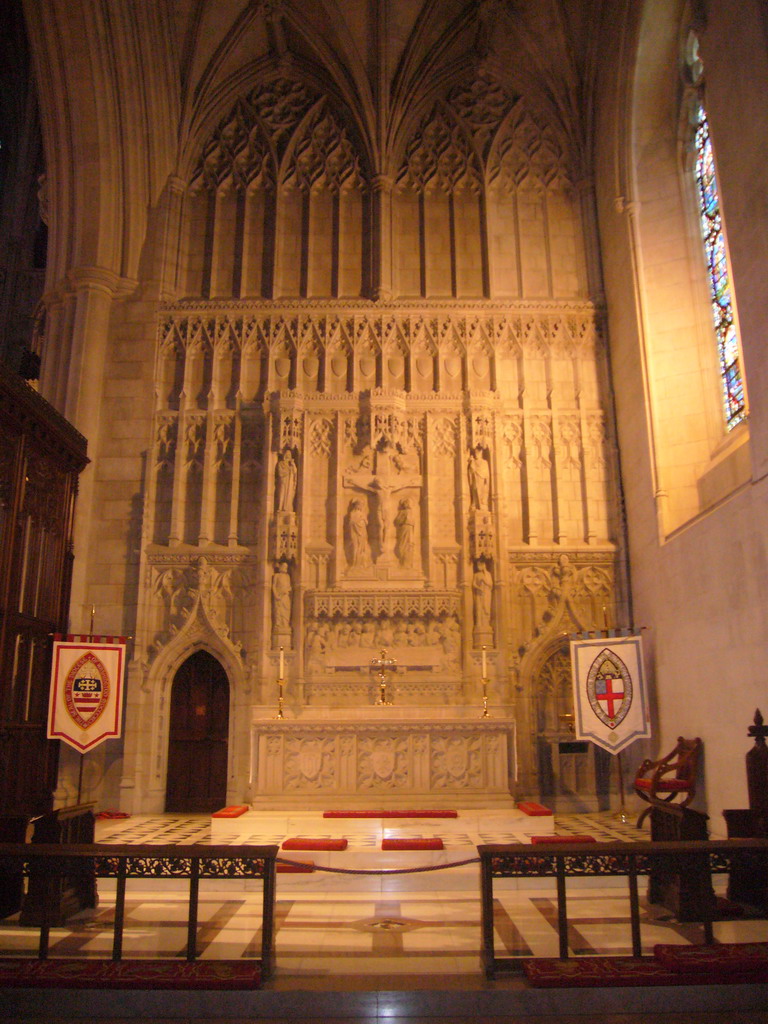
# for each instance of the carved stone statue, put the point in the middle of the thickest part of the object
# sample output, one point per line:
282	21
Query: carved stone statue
287	474
479	480
391	473
405	532
360	552
281	598
482	591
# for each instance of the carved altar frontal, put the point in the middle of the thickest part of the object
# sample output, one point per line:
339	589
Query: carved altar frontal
394	756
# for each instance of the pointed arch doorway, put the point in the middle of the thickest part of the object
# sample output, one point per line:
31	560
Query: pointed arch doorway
574	775
198	736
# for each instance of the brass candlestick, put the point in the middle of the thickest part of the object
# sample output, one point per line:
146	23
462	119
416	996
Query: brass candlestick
485	682
280	681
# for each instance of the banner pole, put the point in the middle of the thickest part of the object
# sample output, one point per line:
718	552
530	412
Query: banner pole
622	815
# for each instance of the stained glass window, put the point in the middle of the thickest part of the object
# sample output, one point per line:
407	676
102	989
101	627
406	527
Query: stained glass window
734	404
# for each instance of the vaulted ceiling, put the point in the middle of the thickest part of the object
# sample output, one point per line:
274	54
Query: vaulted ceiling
132	92
377	55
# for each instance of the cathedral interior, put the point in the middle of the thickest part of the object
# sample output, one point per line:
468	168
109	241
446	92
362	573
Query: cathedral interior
389	328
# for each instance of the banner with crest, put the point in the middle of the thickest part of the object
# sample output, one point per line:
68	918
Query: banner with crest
86	702
609	692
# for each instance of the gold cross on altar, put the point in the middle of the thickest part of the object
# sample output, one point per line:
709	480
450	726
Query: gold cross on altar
381	666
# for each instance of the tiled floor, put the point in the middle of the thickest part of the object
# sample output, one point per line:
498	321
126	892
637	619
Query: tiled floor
343	937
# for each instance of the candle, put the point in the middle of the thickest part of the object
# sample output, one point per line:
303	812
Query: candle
282	663
485	666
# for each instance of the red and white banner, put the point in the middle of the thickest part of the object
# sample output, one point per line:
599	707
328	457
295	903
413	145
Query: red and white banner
86	703
609	691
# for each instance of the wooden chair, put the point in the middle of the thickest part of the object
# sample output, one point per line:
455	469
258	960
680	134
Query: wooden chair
673	776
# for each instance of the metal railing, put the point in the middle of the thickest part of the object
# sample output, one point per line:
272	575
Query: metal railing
691	861
50	864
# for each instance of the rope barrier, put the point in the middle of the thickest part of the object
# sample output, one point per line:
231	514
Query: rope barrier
378	871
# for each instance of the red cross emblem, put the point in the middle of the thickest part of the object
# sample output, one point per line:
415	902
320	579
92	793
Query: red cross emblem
604	691
609	688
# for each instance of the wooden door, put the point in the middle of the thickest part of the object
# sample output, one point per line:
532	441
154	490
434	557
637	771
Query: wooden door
197	745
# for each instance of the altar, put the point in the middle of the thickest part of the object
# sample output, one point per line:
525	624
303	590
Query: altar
384	757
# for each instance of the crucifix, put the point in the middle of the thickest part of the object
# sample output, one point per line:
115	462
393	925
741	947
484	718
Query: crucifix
381	666
388	476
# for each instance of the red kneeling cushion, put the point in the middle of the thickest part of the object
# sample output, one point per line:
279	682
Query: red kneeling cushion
533	810
664	786
563	839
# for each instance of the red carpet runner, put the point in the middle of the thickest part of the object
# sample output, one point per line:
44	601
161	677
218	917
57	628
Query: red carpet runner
61	972
726	963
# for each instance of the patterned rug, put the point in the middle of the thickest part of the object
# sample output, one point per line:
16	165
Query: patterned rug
60	972
746	961
671	964
599	972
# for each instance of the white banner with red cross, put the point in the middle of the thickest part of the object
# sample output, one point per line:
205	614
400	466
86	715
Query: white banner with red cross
609	692
86	702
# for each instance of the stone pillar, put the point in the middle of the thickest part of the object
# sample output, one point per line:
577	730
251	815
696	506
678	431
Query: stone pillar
94	291
381	255
208	502
193	354
237	455
223	243
55	350
170	234
594	274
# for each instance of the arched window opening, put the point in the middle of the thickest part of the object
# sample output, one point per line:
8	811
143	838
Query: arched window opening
718	272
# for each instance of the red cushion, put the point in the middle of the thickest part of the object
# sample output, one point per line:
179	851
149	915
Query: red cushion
296	867
563	839
664	786
534	810
390	814
314	844
412	844
231	812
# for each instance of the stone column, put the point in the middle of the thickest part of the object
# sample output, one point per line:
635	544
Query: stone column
381	255
594	275
170	234
237	454
94	291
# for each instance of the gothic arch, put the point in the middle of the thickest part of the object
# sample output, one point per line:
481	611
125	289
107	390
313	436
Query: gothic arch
198	768
198	633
